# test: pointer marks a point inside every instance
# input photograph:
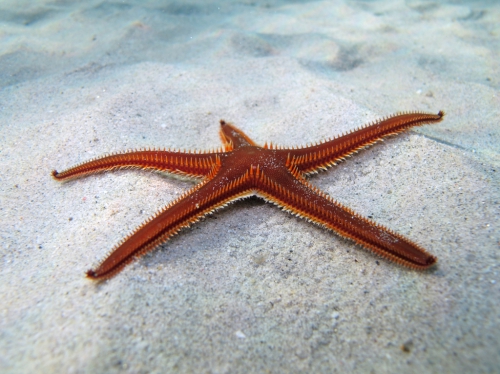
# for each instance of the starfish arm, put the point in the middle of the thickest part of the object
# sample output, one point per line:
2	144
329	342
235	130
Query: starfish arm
233	137
294	194
213	193
183	163
322	155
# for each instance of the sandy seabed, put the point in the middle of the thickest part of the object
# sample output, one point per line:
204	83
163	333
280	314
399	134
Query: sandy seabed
250	289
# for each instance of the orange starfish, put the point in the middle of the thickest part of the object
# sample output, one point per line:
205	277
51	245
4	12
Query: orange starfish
276	174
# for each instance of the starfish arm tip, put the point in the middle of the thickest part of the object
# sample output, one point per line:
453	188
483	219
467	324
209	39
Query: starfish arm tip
425	264
92	274
431	261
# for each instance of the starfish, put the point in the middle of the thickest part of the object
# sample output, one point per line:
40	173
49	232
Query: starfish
274	173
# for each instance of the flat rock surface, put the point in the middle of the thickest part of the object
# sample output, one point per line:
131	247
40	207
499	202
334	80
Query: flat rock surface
250	288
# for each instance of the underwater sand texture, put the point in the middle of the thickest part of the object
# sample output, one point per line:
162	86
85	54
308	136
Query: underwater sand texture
250	288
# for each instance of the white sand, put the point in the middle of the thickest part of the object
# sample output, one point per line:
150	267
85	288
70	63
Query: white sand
251	288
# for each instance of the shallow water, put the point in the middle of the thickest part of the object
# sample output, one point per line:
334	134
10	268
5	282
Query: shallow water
414	45
249	289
